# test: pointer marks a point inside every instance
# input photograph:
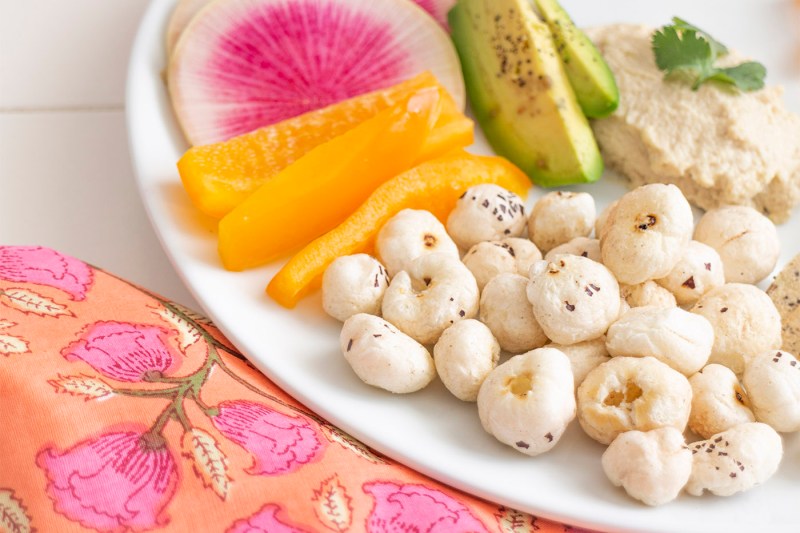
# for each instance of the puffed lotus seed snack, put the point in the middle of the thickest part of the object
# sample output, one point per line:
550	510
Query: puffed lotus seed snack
698	271
486	213
487	259
560	216
353	284
646	233
505	309
464	355
719	402
628	393
410	234
528	401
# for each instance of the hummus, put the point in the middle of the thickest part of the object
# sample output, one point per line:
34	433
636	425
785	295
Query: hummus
718	146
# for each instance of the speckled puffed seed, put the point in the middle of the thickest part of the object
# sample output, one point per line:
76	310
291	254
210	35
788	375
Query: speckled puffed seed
735	460
436	292
573	298
505	309
647	293
584	356
486	212
746	240
718	401
601	224
353	284
772	380
629	393
681	339
745	322
464	355
583	246
528	401
698	271
408	235
652	466
487	259
384	357
646	233
559	216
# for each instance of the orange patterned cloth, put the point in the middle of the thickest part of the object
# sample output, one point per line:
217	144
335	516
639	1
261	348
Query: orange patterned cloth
122	411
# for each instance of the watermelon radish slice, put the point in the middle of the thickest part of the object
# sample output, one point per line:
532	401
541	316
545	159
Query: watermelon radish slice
243	64
437	9
181	15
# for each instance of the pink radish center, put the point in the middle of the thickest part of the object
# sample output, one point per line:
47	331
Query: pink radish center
284	60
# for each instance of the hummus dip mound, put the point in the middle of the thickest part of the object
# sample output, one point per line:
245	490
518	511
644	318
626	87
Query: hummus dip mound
717	145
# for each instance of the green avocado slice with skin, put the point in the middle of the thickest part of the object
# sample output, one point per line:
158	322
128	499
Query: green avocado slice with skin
588	73
520	94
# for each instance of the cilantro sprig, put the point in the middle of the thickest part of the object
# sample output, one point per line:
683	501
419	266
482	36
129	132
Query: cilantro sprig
684	51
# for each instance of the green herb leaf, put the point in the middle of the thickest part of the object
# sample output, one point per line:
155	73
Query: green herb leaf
717	47
685	52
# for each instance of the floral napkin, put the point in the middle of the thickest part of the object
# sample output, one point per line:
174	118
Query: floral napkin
122	411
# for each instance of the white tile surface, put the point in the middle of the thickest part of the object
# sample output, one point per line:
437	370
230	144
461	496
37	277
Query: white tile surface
65	53
66	182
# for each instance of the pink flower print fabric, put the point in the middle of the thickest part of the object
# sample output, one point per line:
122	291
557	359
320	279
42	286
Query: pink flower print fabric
123	412
279	443
125	352
405	508
266	520
43	266
114	482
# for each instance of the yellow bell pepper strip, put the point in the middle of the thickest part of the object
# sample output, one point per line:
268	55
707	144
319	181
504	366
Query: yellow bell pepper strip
220	176
318	191
434	185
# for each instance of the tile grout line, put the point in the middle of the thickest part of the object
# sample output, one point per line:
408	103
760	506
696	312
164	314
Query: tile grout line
62	109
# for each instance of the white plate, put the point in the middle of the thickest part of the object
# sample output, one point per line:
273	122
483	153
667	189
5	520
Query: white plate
430	430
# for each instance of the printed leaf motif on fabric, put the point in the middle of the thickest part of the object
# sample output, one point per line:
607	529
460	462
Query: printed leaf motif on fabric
346	441
10	344
194	316
13	516
208	461
187	333
333	505
87	386
5	323
513	521
30	302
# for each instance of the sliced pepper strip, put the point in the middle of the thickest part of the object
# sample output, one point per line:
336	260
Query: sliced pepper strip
434	185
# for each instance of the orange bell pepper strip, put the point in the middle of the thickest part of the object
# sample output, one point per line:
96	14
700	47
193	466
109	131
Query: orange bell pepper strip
220	176
434	185
318	191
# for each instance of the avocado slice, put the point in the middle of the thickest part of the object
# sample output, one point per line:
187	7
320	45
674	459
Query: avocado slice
520	94
588	73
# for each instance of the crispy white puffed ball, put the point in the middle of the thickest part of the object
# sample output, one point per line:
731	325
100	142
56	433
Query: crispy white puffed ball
583	246
408	235
528	401
487	259
505	309
560	216
718	401
698	271
647	293
745	322
746	240
735	460
436	292
681	339
464	355
353	284
584	356
486	212
772	380
646	233
601	224
573	298
652	466
628	393
384	357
